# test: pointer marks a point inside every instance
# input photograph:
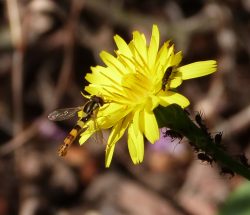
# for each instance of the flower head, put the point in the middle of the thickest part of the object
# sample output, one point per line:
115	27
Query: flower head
132	84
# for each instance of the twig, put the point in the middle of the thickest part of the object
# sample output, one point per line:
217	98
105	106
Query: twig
17	64
21	138
67	66
32	130
136	174
115	15
235	124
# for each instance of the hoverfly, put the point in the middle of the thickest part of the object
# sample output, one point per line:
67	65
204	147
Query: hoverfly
204	157
62	114
165	78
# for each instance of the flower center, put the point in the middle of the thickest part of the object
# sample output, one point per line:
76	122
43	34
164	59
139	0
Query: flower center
137	87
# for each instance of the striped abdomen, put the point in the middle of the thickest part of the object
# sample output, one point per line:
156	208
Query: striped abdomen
62	151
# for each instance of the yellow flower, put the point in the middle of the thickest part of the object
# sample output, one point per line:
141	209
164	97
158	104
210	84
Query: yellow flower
132	84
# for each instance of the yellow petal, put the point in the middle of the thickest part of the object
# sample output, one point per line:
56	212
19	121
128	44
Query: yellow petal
93	90
162	55
149	125
128	62
177	59
132	145
152	103
175	82
173	98
197	69
113	63
122	46
85	136
135	144
101	75
169	57
117	132
109	155
102	84
113	113
163	61
102	90
135	140
153	46
139	42
139	136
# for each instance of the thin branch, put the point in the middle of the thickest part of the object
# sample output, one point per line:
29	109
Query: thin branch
21	138
235	124
17	64
62	84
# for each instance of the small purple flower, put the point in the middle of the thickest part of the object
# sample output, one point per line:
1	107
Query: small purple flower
166	144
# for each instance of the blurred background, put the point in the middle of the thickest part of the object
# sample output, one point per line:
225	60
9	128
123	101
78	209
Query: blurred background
47	47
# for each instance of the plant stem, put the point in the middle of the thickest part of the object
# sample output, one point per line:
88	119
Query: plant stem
175	118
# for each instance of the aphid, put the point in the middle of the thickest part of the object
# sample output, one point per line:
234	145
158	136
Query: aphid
243	160
166	77
172	134
61	114
225	170
200	122
218	138
203	127
204	157
217	141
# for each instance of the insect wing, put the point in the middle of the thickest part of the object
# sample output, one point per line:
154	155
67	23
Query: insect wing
98	136
63	114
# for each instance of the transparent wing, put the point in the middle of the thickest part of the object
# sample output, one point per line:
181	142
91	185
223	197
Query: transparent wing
98	136
63	114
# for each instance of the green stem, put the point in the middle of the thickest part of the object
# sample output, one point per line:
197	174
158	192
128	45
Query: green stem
176	119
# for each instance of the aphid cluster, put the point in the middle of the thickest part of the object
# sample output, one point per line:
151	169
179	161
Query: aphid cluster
205	157
201	123
90	107
172	134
